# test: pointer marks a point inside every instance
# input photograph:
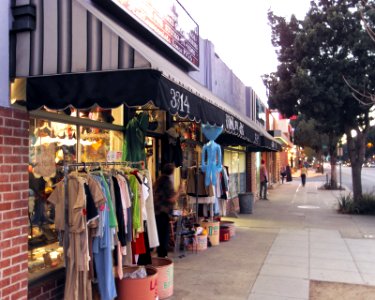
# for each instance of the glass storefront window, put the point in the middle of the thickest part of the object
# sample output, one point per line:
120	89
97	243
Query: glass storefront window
100	145
236	163
113	116
50	145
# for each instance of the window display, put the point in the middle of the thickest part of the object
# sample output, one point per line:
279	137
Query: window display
100	145
236	163
50	145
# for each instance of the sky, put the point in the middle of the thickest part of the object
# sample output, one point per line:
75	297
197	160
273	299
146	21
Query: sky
241	35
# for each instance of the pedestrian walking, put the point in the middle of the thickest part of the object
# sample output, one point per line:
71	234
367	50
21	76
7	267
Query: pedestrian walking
283	173
263	180
165	197
303	175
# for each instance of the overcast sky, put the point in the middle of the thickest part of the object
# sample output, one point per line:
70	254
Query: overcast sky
240	32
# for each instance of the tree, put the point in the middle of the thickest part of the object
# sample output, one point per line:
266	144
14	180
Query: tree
307	134
315	56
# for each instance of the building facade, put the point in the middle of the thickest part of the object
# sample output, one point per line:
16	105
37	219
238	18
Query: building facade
59	59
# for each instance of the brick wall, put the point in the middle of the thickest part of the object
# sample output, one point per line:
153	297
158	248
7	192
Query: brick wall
253	171
251	184
14	184
248	172
277	166
50	288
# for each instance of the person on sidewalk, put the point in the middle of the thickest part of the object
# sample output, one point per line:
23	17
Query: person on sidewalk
263	180
282	173
303	175
165	198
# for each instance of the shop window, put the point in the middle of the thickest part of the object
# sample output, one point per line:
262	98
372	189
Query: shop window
236	163
50	145
113	116
100	145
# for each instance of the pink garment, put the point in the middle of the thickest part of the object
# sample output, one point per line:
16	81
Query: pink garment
119	261
263	173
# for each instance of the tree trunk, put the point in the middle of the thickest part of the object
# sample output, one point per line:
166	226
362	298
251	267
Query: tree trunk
319	154
332	150
333	159
356	149
357	180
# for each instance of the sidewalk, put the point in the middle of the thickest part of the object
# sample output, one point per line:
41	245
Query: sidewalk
295	237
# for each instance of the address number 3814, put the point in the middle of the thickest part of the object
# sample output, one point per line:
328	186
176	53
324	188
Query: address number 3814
179	101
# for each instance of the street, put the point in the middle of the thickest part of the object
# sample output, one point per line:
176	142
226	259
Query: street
368	178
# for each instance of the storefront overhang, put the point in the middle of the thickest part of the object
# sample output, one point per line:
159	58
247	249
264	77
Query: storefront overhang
105	63
134	88
266	144
270	144
280	136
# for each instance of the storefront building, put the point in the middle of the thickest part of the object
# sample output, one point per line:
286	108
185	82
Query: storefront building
80	73
14	182
241	156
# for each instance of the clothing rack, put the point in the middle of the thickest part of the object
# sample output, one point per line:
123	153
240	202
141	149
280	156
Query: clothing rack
66	196
100	164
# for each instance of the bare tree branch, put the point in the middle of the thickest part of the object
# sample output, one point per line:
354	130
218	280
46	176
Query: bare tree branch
369	99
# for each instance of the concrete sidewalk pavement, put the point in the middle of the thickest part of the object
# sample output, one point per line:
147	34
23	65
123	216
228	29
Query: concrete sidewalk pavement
294	237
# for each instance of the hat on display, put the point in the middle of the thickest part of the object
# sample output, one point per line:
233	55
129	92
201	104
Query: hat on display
173	133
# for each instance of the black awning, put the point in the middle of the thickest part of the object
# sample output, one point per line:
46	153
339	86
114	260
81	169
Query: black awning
270	144
111	89
84	90
134	87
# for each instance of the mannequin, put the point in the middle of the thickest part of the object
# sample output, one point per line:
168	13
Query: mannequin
212	151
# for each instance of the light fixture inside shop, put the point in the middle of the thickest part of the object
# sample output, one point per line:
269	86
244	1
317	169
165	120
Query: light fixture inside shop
61	142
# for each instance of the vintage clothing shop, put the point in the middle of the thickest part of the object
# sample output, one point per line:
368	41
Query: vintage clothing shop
89	108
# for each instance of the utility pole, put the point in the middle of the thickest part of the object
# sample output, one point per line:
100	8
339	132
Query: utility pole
340	154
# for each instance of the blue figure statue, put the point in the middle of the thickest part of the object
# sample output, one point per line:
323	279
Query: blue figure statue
212	152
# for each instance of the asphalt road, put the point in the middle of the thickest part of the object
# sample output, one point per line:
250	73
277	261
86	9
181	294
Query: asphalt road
368	178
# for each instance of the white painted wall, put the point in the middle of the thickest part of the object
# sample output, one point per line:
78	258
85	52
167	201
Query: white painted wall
4	52
215	75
